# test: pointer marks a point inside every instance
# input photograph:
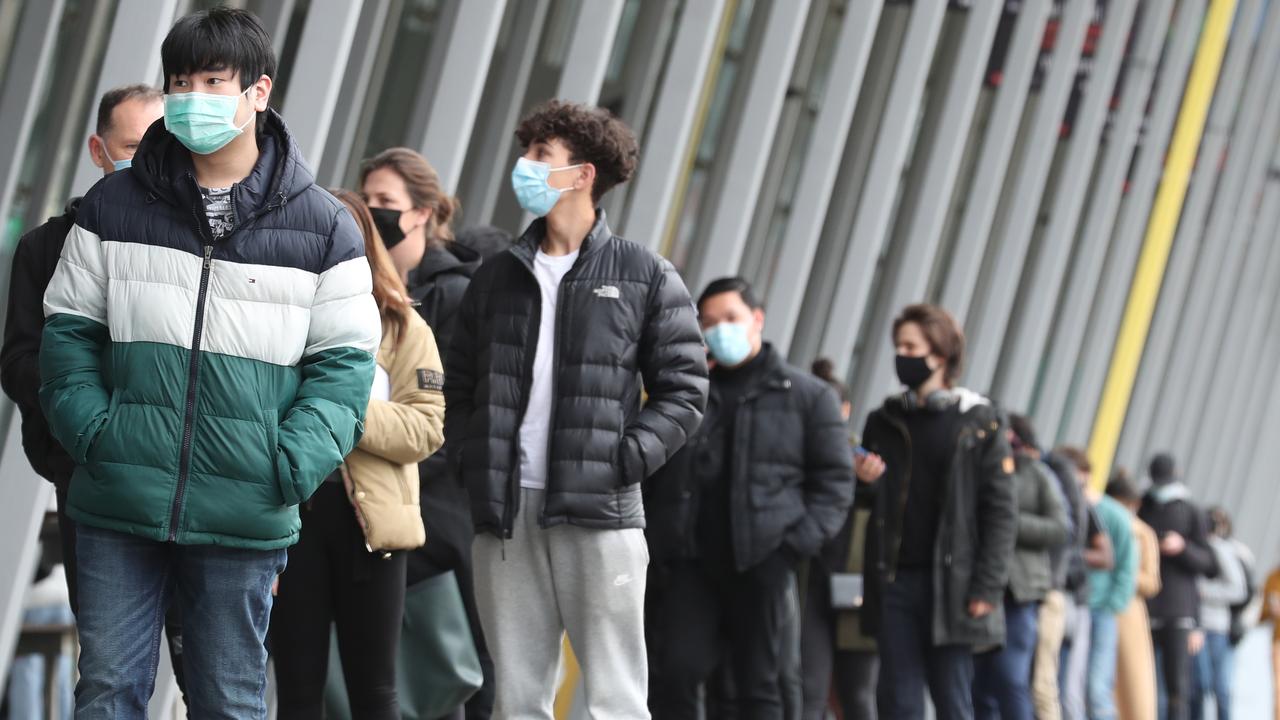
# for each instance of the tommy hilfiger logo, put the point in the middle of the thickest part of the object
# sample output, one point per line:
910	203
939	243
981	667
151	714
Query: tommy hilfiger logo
608	291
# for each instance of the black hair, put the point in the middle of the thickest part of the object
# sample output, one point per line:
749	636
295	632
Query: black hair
1021	426
1161	468
485	239
592	134
1121	486
221	38
115	96
826	371
731	284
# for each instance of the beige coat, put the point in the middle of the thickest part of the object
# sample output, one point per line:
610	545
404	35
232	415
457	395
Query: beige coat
381	474
1135	658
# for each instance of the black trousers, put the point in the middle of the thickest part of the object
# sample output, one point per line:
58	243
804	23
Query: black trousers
332	578
1174	663
707	617
852	673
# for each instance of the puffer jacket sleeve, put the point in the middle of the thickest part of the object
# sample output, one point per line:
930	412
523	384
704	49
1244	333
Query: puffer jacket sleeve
460	375
673	365
327	416
72	393
828	476
997	519
409	427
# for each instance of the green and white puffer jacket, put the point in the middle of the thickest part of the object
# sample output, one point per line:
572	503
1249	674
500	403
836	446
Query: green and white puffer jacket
205	388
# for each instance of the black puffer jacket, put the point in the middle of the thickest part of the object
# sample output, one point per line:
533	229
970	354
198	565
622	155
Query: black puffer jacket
624	314
977	529
33	264
791	472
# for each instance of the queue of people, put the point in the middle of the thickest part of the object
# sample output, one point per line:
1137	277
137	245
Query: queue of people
270	409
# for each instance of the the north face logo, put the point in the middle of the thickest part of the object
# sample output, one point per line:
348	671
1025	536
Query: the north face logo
608	291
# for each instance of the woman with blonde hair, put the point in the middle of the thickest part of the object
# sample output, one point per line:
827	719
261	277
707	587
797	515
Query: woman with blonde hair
348	567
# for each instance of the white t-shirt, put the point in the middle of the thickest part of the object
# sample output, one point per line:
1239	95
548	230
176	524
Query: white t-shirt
536	427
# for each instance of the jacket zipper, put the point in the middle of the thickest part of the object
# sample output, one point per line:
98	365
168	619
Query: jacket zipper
193	366
512	505
770	385
555	373
193	373
902	496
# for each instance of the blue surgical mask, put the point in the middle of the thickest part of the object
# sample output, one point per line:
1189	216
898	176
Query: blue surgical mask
730	343
529	181
203	122
116	165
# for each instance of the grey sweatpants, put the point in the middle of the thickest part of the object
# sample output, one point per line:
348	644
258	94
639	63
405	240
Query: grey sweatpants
589	583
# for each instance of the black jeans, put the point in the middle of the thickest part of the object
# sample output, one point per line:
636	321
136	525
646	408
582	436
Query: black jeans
331	577
909	661
708	617
1173	662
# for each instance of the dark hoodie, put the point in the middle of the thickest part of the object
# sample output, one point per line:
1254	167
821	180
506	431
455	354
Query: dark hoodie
1168	508
437	285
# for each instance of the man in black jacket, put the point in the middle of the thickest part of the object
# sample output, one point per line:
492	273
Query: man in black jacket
124	114
1185	557
765	483
545	422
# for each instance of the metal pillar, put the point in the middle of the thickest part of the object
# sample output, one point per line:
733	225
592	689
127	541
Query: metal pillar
591	45
974	233
26	498
1091	247
921	216
728	213
875	205
450	98
671	129
25	75
1130	228
133	56
1030	323
1218	260
321	62
1187	243
989	310
1194	388
356	90
821	166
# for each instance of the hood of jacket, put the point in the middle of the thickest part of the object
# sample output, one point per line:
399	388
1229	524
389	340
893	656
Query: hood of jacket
162	165
450	258
1164	494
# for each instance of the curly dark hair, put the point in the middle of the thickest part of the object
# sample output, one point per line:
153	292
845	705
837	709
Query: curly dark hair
592	134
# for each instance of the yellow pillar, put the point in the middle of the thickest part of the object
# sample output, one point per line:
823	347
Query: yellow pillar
1145	291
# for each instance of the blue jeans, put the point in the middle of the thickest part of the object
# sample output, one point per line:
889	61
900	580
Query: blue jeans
1212	674
1102	665
26	677
126	583
909	660
1002	680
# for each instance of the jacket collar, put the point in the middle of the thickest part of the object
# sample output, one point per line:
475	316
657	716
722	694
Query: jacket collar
526	248
162	165
772	374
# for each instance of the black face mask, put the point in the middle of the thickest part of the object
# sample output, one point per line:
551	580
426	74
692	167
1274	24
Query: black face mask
912	371
388	224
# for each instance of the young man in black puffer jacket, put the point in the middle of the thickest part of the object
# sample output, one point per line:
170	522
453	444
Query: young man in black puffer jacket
763	485
546	426
1185	557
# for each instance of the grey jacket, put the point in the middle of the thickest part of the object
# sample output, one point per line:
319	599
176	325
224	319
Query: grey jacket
1228	588
1042	525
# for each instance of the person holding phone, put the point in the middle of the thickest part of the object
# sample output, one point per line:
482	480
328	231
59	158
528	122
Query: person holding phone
942	529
